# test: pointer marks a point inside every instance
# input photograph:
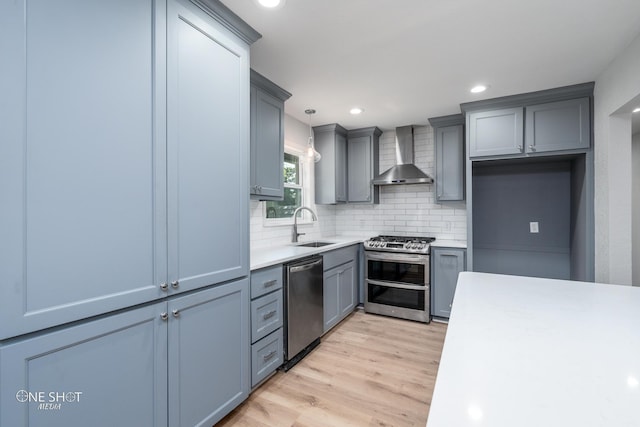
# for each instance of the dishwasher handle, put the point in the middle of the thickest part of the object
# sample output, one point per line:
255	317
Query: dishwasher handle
305	267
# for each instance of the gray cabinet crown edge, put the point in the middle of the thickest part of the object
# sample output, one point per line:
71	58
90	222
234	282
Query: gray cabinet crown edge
444	121
333	127
268	86
373	130
229	20
540	97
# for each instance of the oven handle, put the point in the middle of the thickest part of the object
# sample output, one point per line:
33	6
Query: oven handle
391	257
399	285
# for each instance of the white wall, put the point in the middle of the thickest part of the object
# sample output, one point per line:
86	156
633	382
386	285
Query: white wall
405	209
635	186
264	235
615	87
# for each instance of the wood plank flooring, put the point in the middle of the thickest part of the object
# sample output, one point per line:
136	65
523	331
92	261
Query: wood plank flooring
368	371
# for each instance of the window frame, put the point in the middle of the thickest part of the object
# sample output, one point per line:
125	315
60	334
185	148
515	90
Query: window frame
304	173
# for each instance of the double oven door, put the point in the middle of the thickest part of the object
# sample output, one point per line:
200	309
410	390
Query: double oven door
397	285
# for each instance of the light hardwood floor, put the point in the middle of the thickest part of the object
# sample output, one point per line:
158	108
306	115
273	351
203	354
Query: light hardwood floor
368	371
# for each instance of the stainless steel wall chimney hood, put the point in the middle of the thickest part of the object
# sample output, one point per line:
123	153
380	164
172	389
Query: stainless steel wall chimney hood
404	172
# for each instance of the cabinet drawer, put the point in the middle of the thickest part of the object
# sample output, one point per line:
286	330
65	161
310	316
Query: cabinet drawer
339	257
266	315
266	356
265	280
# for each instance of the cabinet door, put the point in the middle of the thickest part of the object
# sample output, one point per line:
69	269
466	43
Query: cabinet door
496	132
331	306
347	292
267	146
447	264
360	169
208	354
208	142
449	164
563	125
341	168
107	372
81	159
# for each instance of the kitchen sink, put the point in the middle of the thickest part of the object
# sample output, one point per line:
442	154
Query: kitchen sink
315	244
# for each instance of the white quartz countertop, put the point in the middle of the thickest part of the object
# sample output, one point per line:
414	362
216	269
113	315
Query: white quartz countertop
443	243
531	352
272	255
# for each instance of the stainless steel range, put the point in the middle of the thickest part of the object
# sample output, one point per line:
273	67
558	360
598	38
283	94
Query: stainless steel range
397	277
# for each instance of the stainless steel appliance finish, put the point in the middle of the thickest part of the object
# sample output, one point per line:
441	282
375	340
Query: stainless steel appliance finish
418	245
398	277
404	172
303	293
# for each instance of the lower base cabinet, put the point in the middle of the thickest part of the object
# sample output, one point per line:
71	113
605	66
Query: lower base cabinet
267	317
446	264
340	285
181	362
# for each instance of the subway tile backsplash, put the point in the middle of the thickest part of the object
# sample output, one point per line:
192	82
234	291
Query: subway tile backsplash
403	209
406	209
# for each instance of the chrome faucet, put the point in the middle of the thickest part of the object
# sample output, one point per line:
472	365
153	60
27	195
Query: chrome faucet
295	234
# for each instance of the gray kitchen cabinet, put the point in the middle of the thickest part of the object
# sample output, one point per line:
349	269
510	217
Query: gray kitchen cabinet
446	264
331	171
81	153
362	165
530	127
207	149
267	314
115	155
208	361
562	125
495	132
123	369
267	138
450	157
340	281
107	372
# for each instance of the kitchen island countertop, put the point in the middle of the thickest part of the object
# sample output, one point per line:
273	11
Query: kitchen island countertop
532	352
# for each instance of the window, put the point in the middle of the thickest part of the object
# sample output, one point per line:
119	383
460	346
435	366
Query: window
293	190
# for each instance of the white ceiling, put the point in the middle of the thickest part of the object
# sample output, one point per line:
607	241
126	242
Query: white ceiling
404	61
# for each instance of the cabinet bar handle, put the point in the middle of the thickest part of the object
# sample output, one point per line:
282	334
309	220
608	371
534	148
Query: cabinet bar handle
269	314
270	283
269	356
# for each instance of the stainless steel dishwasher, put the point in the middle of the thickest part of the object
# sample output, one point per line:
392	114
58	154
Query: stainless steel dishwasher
304	313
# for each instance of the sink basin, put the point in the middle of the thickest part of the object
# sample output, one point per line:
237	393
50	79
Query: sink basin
315	244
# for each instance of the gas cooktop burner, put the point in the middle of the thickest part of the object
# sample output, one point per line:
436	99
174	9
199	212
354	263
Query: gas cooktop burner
399	244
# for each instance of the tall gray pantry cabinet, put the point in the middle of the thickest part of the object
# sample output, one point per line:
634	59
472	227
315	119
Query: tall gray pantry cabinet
123	175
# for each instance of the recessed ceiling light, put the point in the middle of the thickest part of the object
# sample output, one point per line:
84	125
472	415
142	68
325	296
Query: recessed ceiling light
478	89
270	3
637	110
356	110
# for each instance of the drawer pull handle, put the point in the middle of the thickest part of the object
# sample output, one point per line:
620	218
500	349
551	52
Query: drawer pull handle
270	283
269	356
269	314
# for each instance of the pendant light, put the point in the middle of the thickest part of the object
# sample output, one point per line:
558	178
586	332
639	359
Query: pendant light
311	151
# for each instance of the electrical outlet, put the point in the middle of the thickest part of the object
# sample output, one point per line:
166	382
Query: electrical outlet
533	227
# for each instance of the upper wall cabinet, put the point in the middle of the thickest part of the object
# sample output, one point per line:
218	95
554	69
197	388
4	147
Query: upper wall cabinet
555	126
267	138
496	132
524	125
449	154
331	171
114	148
362	165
